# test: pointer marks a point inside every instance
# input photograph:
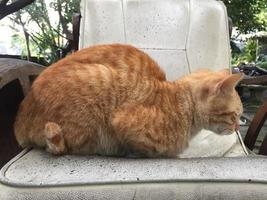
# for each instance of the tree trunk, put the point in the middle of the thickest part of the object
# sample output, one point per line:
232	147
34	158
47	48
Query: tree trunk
26	34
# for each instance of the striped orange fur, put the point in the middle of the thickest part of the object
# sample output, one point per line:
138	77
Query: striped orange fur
115	100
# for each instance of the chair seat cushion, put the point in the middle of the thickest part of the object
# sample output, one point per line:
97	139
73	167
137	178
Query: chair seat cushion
38	168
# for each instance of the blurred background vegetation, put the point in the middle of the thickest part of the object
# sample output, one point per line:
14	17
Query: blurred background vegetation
249	38
47	39
46	28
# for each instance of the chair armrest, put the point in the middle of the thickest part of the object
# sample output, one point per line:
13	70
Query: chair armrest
255	127
16	77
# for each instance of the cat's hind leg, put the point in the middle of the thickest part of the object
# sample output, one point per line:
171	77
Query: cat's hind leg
54	139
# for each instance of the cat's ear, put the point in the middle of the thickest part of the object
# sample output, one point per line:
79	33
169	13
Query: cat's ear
229	83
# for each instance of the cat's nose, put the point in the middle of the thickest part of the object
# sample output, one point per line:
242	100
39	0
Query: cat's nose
237	126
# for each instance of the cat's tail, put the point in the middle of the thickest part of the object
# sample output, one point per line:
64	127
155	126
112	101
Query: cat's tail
54	138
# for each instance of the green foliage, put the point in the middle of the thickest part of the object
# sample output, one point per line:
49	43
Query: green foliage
250	50
48	36
67	7
248	16
262	62
247	55
262	65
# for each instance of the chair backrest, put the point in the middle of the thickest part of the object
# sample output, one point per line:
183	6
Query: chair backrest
181	35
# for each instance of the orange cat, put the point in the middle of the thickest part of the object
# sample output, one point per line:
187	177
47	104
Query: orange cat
115	100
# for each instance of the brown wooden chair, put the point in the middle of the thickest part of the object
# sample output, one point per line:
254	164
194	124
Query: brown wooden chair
254	130
16	77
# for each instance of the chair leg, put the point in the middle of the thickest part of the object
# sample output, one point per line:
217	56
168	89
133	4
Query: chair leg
255	126
263	148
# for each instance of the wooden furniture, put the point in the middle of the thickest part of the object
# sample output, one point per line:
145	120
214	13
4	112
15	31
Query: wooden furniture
16	77
254	130
261	80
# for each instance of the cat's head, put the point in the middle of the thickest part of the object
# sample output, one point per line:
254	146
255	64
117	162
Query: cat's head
217	101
